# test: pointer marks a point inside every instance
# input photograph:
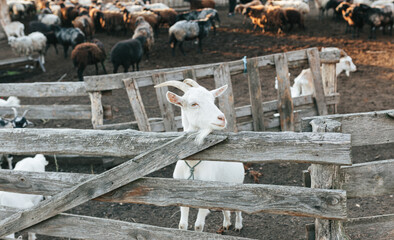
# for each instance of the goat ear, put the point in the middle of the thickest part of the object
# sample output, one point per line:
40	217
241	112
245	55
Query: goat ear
174	99
219	91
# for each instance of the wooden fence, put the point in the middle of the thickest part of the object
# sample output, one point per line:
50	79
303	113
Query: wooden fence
257	116
125	183
369	179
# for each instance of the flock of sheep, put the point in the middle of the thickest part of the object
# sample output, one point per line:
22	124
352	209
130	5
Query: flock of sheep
74	25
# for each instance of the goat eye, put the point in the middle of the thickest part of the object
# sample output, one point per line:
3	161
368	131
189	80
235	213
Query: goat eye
195	105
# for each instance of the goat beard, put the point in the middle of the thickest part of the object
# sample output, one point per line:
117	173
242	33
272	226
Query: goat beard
201	135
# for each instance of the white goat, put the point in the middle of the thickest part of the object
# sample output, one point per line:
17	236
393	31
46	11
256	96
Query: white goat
25	201
200	114
10	102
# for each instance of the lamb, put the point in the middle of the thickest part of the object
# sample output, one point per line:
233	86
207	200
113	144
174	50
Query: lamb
36	26
128	52
189	30
26	45
49	19
15	29
69	37
201	14
88	54
86	25
39	44
25	201
299	5
143	28
200	114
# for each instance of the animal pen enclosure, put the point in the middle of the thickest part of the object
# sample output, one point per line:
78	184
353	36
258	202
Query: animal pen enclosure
118	185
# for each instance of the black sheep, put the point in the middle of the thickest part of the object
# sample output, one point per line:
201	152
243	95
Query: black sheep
88	54
375	17
334	4
128	52
68	37
37	26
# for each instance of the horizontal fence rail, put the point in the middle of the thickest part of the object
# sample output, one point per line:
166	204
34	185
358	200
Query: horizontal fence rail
249	198
333	148
44	89
85	227
369	128
115	81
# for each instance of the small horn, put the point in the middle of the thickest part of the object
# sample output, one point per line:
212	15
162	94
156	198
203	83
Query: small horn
15	112
24	114
343	53
180	85
191	82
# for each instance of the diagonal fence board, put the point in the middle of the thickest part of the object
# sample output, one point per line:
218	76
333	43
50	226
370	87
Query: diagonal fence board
85	227
114	81
249	198
332	148
369	128
168	153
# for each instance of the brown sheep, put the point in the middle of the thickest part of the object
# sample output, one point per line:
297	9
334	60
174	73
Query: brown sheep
167	16
86	25
292	16
85	54
143	28
93	14
68	14
198	4
111	21
152	18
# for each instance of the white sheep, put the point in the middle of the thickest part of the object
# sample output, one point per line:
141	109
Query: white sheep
25	201
39	44
301	6
321	6
49	19
200	115
15	29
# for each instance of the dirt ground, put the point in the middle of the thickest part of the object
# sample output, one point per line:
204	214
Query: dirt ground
370	88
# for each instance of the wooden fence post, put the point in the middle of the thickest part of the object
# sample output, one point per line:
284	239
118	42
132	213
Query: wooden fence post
190	73
326	177
97	109
226	101
329	78
137	105
285	102
166	108
256	99
314	64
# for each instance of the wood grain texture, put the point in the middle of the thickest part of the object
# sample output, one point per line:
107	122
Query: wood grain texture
369	128
314	63
285	102
97	109
44	89
368	179
380	227
137	105
166	108
333	148
256	97
85	227
56	111
226	101
148	162
329	78
114	81
249	198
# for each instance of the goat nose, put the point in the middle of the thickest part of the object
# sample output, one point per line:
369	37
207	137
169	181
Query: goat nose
221	118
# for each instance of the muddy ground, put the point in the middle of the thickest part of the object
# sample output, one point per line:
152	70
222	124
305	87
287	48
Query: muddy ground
370	88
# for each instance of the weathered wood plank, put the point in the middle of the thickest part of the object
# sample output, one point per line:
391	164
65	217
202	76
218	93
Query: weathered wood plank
314	63
56	111
190	73
114	81
148	162
137	105
379	227
85	227
285	102
97	109
44	89
333	148
326	177
368	179
166	108
256	97
329	78
8	64
249	198
369	128
226	101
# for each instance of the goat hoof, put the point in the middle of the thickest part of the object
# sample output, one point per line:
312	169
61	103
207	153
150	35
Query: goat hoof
238	227
198	228
182	226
